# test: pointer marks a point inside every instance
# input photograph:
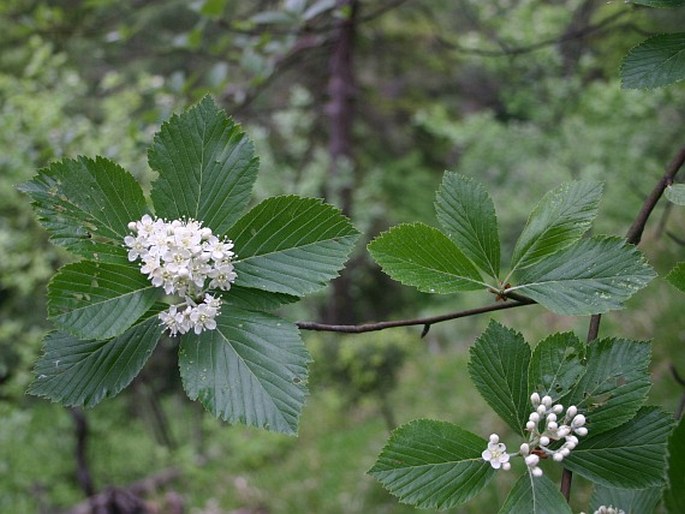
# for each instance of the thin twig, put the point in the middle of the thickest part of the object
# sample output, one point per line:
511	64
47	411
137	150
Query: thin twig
428	321
634	234
681	405
519	50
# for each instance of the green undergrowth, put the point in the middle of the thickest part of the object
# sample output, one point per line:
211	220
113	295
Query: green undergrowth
324	469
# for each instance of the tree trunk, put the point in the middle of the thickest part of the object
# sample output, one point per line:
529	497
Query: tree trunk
83	476
340	112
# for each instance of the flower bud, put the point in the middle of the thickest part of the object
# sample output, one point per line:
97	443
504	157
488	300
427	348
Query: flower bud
532	460
547	401
544	440
535	399
494	438
582	431
524	449
578	421
558	457
537	472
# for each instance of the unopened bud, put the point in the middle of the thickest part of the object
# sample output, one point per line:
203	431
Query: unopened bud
532	460
535	399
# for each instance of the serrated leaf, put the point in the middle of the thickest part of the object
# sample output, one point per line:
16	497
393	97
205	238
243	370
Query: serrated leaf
291	245
251	369
675	193
657	61
423	257
86	205
206	166
557	221
499	369
433	464
630	501
535	495
615	383
256	300
593	276
632	456
75	372
467	214
556	365
674	497
99	300
677	276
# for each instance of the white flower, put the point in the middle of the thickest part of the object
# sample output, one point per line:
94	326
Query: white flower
496	454
610	509
181	257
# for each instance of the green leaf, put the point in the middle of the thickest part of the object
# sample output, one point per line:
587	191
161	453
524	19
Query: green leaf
677	276
535	495
256	300
423	257
557	221
615	383
467	214
291	245
675	193
206	167
74	372
498	367
632	456
86	205
251	369
657	61
674	497
433	464
659	3
595	275
631	501
556	365
99	300
213	8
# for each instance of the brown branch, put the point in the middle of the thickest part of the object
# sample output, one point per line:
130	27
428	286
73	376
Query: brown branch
127	498
519	50
634	234
428	321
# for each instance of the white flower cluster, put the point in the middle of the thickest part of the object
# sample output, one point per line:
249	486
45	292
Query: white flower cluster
556	426
181	256
608	510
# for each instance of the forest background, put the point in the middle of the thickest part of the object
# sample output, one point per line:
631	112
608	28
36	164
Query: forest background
365	103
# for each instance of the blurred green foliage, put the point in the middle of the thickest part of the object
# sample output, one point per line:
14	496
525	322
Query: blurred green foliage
99	76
